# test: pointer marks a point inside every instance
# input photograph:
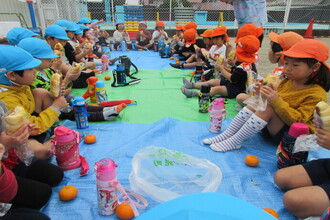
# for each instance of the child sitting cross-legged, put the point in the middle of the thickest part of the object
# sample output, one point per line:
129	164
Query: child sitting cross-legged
231	83
294	100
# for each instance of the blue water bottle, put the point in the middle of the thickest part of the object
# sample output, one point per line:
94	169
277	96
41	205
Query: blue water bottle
133	44
123	46
112	45
120	74
101	93
80	110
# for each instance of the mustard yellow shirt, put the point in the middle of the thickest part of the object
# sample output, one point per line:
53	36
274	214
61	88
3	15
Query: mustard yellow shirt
297	105
22	96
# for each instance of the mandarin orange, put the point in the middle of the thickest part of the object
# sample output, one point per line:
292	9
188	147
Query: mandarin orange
271	212
124	211
251	160
68	193
90	139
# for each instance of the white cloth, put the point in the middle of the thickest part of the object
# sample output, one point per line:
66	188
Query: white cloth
217	52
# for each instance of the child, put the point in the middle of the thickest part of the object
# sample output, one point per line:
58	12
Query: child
219	38
199	59
278	44
306	83
42	51
15	35
307	184
143	37
159	34
188	49
231	83
120	34
16	76
177	40
26	188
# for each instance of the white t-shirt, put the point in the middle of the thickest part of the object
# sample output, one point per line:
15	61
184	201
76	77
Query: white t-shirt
118	37
217	52
156	34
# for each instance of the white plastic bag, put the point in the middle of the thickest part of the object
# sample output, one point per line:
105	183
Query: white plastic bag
164	174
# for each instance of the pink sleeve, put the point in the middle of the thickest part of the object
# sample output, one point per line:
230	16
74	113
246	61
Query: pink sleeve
8	185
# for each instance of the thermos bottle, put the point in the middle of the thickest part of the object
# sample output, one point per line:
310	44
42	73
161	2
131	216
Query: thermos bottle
80	110
101	93
204	98
217	113
198	73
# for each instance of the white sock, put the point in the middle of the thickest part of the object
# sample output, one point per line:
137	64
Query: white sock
241	117
110	113
251	127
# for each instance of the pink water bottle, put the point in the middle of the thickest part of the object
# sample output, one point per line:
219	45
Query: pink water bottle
106	181
217	113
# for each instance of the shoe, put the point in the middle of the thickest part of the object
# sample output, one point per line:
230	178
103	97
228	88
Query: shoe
189	93
178	66
144	48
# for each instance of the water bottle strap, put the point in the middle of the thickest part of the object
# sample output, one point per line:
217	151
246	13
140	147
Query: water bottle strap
140	202
84	167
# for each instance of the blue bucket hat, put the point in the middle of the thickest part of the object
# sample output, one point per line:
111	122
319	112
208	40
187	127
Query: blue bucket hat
37	48
96	20
56	31
66	25
84	20
9	61
15	35
119	22
83	27
80	28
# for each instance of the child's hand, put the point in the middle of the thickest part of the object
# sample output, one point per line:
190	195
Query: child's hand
269	92
2	151
33	130
257	86
323	138
88	50
230	61
57	63
19	137
60	102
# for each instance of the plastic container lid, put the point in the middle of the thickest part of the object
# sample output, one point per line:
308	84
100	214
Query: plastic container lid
218	104
99	84
78	101
105	169
63	134
297	129
205	88
120	67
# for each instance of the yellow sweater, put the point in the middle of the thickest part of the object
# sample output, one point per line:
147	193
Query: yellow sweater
22	96
297	105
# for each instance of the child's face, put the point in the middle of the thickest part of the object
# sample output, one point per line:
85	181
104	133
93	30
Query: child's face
296	70
160	28
218	41
178	32
78	36
142	27
207	40
121	27
70	34
28	77
272	57
45	63
53	41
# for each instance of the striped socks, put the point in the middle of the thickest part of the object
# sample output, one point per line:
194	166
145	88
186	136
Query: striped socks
233	127
251	127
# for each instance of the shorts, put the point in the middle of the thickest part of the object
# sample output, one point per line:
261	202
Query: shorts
143	43
319	172
278	137
232	89
43	137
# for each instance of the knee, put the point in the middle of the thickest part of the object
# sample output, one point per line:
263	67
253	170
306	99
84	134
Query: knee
292	202
240	98
280	179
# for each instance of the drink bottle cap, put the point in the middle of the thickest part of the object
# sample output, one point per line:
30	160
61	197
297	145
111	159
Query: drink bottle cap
92	80
63	134
105	169
99	84
297	129
218	104
205	88
78	101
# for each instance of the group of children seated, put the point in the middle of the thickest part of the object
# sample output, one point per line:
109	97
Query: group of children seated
28	64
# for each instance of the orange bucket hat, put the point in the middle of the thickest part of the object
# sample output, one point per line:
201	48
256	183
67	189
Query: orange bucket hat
285	40
207	33
249	29
246	48
222	30
179	27
160	24
189	36
309	48
190	25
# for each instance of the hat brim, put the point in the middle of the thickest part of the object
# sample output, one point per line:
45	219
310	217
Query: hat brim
48	56
241	56
273	37
202	35
61	37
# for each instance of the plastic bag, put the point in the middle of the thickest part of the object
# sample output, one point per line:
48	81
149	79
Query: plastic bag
257	102
164	174
305	143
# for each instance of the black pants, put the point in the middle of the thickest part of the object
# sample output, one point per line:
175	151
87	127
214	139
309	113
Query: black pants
95	114
24	214
34	184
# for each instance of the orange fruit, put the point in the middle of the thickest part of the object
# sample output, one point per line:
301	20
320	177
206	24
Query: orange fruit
140	49
251	160
124	211
128	49
68	193
171	58
94	105
272	212
90	139
107	77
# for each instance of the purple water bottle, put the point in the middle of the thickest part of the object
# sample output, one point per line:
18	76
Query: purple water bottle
106	182
217	113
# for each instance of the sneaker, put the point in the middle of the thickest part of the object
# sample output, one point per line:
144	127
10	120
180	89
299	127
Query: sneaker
178	66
